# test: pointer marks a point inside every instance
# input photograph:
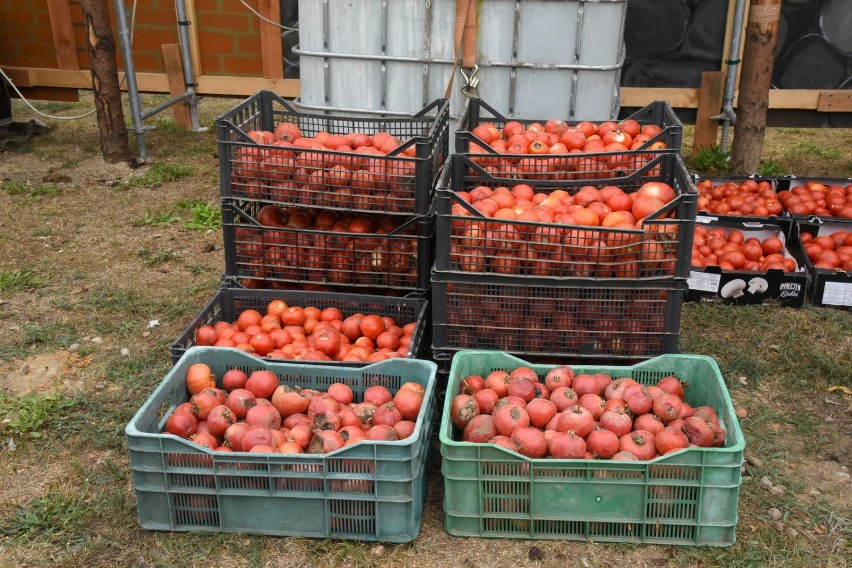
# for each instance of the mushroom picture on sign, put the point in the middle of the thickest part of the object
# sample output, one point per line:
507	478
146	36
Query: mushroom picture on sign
757	285
734	289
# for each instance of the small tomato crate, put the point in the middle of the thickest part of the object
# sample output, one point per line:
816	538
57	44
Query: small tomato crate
391	253
400	182
687	498
657	113
228	303
469	242
615	319
370	491
832	288
712	283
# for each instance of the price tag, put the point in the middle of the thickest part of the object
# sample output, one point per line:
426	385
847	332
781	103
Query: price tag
837	294
703	281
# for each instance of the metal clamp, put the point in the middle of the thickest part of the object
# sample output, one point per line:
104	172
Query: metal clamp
471	82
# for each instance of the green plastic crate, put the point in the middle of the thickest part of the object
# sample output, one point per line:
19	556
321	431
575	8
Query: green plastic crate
687	498
371	491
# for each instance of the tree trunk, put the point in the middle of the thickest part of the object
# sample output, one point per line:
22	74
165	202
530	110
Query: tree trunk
753	102
100	44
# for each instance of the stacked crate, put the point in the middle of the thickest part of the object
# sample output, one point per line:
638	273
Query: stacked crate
326	227
557	292
302	217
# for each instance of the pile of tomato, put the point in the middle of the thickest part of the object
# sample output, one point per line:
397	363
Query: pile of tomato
586	234
311	334
830	252
581	416
735	251
336	166
758	199
254	413
330	247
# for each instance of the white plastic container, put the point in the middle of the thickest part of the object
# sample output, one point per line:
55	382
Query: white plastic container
536	58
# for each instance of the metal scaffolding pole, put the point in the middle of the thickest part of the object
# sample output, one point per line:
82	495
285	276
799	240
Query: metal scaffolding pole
189	96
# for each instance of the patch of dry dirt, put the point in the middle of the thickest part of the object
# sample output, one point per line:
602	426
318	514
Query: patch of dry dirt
45	373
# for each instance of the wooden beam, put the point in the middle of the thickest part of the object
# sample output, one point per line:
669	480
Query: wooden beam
213	85
63	34
270	40
49	94
709	104
21	77
641	96
835	101
174	72
193	37
222	85
246	86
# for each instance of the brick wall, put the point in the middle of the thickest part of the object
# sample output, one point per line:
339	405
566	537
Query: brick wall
228	35
25	37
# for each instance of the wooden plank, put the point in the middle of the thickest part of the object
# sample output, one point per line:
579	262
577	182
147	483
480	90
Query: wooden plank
174	72
63	34
641	96
214	85
246	86
835	101
49	94
709	104
270	40
20	77
193	37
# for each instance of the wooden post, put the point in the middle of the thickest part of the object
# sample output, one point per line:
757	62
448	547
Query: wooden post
709	104
270	40
174	71
63	34
753	101
193	37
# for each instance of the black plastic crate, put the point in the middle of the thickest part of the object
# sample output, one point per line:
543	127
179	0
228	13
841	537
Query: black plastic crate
397	257
789	183
401	182
580	319
658	113
468	242
712	283
831	288
228	303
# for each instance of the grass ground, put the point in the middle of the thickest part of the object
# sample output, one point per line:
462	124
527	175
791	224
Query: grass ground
102	266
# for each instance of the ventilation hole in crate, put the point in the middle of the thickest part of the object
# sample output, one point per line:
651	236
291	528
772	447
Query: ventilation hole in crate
189	460
352	466
243	482
191	480
618	474
352	517
672	502
613	530
391	382
193	509
506	497
559	528
504	469
657	531
564	473
299	484
648	377
352	486
675	472
501	525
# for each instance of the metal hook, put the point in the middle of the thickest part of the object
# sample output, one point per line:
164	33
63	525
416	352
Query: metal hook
471	81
